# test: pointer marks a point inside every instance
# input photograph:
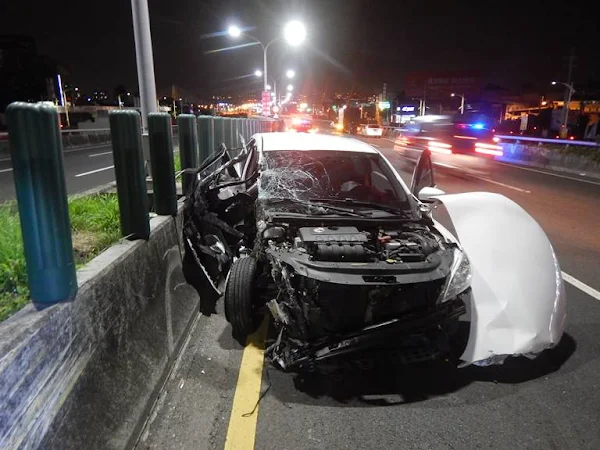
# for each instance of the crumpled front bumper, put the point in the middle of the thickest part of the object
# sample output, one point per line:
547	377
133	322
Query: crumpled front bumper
416	336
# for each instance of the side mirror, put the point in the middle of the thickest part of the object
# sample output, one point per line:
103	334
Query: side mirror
426	194
423	173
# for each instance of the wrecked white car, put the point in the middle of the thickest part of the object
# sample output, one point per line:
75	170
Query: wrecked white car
321	233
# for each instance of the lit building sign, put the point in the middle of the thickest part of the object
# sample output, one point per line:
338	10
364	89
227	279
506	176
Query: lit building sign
406	108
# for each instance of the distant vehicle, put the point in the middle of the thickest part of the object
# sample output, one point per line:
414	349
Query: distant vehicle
371	130
458	142
349	118
303	125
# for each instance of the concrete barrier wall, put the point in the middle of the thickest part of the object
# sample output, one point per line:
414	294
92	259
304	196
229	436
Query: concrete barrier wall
85	374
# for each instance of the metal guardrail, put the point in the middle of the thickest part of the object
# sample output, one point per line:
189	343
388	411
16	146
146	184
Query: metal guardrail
74	139
71	138
394	132
540	141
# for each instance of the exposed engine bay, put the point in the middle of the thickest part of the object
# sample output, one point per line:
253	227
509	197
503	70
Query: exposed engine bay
343	288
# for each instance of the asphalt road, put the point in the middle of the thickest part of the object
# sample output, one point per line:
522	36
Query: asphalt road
84	169
552	402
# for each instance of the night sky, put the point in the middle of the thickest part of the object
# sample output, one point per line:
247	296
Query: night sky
350	42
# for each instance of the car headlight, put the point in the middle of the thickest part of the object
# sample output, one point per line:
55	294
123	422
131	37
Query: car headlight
460	276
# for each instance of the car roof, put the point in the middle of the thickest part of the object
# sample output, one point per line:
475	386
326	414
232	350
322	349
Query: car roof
312	141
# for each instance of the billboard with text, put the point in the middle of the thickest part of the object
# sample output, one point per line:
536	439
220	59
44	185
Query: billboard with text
440	84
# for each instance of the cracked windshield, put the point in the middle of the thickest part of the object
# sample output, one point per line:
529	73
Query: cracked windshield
299	224
328	176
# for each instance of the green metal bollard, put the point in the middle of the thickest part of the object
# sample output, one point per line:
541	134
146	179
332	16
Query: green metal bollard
227	131
211	135
219	133
240	131
236	133
37	160
163	167
188	148
234	136
245	129
206	136
125	130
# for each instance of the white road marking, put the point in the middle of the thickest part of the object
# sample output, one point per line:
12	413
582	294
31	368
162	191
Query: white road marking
100	154
504	185
581	286
81	149
445	165
6	170
94	171
548	173
486	179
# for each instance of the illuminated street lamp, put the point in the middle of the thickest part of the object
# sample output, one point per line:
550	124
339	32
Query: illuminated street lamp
563	127
294	33
290	73
290	88
462	101
234	31
258	73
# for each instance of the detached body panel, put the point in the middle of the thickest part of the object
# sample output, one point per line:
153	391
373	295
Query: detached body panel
518	302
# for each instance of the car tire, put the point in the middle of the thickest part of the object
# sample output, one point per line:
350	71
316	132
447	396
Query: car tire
240	297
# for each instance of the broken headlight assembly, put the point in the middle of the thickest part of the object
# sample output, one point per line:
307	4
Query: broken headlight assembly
460	276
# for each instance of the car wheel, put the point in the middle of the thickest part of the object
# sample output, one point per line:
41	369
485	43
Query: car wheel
240	297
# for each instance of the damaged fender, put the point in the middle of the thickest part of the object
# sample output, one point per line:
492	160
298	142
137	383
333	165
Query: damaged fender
518	297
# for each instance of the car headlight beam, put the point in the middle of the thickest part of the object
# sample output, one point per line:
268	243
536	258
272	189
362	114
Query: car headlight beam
460	276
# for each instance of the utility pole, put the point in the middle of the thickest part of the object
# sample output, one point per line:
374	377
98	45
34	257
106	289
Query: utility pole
567	98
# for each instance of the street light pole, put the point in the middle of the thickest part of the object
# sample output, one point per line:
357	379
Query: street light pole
294	33
462	102
265	50
265	65
144	59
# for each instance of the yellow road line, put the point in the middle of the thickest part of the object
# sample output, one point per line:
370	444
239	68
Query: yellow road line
241	432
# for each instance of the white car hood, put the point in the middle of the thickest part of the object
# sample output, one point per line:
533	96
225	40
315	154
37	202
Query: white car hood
518	304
